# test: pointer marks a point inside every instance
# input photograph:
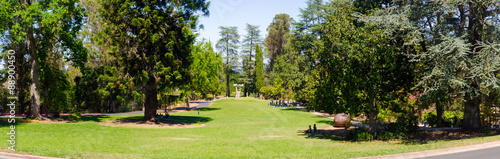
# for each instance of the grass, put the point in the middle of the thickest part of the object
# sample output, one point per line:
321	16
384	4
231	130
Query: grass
234	128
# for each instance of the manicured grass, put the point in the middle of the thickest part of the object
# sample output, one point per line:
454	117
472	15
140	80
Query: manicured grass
234	128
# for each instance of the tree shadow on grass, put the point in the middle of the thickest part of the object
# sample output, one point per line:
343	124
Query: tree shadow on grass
329	122
208	109
173	119
291	109
94	118
414	142
334	135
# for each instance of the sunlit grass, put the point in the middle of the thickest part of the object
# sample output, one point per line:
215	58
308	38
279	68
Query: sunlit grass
234	128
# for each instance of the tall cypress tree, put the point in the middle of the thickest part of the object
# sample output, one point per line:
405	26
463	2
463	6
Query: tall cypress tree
259	70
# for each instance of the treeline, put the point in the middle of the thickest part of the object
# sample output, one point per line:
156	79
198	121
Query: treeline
410	60
107	56
406	59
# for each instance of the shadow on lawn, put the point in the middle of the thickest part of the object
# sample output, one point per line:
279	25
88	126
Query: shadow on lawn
335	135
174	119
94	118
329	122
291	109
208	109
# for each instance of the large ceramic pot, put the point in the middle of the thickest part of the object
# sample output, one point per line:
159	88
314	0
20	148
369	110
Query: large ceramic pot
342	120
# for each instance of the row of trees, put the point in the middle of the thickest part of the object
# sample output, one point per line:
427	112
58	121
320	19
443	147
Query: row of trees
361	57
103	56
252	65
341	56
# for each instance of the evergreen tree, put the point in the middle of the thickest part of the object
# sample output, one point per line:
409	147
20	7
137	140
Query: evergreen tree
457	43
259	70
276	39
228	45
153	40
251	40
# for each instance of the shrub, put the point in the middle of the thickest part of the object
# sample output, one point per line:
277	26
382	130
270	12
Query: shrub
385	135
451	119
358	135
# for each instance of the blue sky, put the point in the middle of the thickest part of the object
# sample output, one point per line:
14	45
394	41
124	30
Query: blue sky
240	12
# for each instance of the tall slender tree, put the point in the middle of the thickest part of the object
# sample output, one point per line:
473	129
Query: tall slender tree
228	45
251	40
259	70
153	41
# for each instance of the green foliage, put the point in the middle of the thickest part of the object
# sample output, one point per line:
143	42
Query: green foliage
451	119
359	135
153	42
456	45
48	32
359	68
277	37
278	87
259	70
249	50
228	45
205	69
100	90
267	91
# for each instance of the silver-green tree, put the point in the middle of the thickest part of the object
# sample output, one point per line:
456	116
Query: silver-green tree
228	45
458	42
250	41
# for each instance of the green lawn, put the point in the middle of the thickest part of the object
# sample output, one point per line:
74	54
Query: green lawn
234	128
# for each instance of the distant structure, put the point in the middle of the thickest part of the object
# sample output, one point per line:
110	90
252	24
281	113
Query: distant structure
238	90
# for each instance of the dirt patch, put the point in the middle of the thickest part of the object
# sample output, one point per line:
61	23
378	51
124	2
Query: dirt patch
140	123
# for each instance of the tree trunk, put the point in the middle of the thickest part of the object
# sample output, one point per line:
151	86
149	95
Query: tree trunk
372	116
227	85
187	103
151	101
440	114
472	118
35	82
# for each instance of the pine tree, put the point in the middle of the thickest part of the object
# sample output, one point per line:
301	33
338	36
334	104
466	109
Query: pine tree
228	45
251	40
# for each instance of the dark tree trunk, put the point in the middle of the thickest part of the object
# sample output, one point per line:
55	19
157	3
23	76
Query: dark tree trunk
440	114
372	116
151	101
472	118
187	103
